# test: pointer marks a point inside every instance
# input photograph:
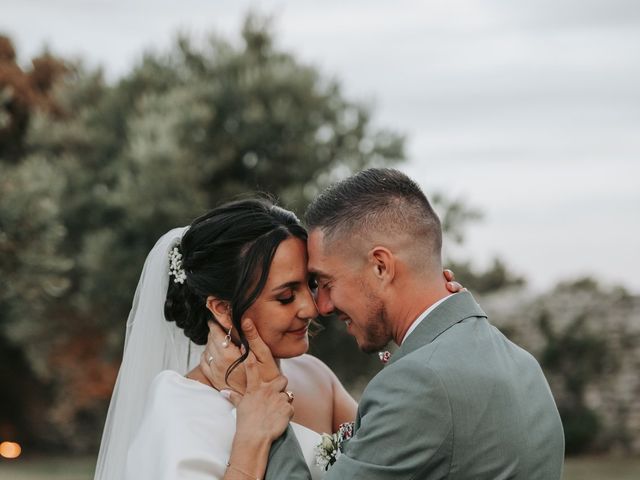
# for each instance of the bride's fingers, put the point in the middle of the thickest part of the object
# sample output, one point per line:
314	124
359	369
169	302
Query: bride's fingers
267	366
252	372
256	344
279	383
455	287
452	285
448	275
232	396
205	367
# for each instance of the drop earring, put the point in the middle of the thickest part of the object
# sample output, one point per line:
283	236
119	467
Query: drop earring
227	339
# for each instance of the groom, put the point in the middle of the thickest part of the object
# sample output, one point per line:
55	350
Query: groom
457	400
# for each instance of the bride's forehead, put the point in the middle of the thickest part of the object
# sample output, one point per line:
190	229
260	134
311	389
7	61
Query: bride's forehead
292	249
290	257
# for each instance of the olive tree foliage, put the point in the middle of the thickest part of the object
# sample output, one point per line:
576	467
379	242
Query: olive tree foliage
93	172
87	187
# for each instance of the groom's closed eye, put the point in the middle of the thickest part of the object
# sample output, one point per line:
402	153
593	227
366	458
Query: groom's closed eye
319	280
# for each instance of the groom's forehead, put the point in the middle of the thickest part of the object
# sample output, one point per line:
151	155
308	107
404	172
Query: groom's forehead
319	256
317	267
315	244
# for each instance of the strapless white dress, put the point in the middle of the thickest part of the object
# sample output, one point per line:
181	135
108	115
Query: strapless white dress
186	433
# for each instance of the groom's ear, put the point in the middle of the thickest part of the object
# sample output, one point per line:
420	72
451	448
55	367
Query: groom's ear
383	263
221	310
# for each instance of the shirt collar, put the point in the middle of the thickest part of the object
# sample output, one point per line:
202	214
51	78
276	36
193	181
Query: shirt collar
423	315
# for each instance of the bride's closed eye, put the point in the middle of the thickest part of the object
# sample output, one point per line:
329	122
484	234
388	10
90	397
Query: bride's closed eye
287	297
286	301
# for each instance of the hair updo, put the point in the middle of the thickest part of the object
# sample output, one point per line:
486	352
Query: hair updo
227	253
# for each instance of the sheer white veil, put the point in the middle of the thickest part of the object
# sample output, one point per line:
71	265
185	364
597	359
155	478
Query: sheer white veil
151	345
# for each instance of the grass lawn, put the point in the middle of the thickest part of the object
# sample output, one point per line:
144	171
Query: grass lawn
591	468
37	468
596	468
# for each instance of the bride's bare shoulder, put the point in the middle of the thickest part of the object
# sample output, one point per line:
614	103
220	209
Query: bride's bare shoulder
310	365
313	379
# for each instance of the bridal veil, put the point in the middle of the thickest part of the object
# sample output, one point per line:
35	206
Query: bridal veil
152	345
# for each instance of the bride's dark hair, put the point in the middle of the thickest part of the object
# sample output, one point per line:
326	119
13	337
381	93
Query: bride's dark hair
227	253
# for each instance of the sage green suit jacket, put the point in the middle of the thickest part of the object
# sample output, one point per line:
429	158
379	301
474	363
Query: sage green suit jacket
457	400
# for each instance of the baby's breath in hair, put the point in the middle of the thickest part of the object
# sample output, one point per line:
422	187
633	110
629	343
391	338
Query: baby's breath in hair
175	265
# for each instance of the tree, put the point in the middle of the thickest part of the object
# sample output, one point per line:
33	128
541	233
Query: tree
98	171
21	93
85	194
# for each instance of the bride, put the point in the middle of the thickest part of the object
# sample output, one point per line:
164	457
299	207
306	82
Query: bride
167	420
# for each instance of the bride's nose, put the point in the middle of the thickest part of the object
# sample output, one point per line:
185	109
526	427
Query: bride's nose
308	307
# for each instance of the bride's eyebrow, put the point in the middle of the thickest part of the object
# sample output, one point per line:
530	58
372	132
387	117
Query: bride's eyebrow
291	285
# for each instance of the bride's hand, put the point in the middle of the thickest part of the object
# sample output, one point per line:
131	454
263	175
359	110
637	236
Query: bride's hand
452	285
217	358
267	366
264	411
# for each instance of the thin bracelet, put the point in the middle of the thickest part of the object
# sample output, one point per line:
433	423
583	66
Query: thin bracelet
248	475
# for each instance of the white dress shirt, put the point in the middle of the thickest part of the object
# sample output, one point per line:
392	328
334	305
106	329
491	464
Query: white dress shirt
423	315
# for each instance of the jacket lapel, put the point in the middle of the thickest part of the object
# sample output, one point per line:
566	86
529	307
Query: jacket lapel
453	310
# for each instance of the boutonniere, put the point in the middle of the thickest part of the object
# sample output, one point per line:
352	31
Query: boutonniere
330	446
384	357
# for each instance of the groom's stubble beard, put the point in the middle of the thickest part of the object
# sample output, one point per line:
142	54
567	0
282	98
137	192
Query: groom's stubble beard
377	333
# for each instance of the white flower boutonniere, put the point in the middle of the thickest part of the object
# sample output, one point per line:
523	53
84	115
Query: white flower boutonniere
330	446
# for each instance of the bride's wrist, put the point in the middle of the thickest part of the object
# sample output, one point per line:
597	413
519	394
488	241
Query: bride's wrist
249	454
252	439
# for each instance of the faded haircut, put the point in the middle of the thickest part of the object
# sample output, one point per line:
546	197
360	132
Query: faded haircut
375	203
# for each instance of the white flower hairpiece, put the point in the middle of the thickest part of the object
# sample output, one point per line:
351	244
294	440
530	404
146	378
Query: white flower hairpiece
175	266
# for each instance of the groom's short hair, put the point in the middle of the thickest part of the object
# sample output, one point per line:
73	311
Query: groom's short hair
373	203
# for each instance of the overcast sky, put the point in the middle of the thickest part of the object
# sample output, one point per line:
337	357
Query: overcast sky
528	110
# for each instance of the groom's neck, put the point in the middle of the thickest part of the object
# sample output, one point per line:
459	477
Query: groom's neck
415	298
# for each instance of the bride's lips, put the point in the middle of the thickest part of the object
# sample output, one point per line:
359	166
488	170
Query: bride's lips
300	332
